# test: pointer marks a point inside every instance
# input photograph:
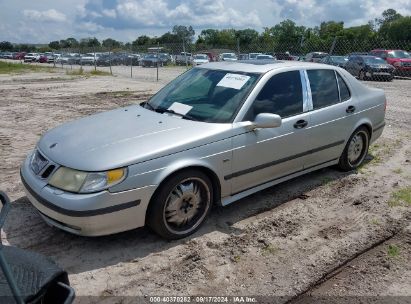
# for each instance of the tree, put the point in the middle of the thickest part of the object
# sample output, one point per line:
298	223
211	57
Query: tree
247	36
6	46
362	32
91	42
141	40
209	37
388	16
55	45
184	33
399	29
331	29
111	43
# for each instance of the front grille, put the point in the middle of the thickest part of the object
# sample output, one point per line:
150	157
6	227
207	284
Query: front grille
406	64
41	166
38	162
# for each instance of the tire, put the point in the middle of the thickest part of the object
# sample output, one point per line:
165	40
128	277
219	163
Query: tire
355	150
172	212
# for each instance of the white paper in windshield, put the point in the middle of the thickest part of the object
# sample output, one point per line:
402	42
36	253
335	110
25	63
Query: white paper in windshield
180	108
235	81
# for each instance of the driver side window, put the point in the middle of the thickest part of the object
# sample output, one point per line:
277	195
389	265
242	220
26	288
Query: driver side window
281	95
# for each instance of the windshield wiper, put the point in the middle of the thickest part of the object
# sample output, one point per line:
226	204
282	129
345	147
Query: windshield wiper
185	116
145	103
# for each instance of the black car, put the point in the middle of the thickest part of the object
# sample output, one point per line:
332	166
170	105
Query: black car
369	67
335	60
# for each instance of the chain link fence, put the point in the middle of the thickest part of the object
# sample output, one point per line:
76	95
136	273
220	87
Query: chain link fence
129	61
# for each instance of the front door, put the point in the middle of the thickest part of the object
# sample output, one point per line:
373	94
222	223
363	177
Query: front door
266	154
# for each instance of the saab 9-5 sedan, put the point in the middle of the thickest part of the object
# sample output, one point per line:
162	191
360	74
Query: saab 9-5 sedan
217	133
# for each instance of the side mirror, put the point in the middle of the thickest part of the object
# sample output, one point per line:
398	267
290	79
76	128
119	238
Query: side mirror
267	120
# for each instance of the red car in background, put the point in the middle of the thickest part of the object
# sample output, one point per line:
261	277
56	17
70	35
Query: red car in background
19	55
400	59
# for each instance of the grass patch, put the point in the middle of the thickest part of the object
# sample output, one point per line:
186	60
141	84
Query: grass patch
326	180
81	72
397	171
269	250
393	251
375	221
401	196
16	68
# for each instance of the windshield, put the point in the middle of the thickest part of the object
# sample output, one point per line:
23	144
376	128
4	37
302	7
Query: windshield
229	56
399	54
374	60
204	95
339	59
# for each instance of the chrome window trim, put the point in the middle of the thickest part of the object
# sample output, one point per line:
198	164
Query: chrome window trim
309	94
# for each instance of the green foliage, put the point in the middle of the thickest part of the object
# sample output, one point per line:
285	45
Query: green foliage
15	68
111	43
6	46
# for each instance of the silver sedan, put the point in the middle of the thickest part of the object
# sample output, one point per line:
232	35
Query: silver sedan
215	134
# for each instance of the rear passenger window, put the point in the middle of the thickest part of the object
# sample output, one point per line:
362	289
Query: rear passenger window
324	88
344	91
281	95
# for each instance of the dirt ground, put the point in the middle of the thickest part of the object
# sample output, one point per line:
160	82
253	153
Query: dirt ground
326	236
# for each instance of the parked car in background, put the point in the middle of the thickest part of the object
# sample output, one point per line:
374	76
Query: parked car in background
68	59
133	59
369	67
243	56
88	59
7	55
31	57
228	57
283	56
215	134
315	56
399	59
200	59
253	55
19	55
43	58
151	60
50	57
265	56
183	58
335	60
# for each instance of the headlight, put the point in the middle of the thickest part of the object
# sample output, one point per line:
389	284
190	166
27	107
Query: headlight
86	182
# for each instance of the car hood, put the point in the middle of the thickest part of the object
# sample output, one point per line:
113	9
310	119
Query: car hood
123	137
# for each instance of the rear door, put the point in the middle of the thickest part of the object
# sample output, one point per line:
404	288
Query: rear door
332	116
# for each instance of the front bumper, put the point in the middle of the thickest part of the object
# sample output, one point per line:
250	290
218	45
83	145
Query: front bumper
91	214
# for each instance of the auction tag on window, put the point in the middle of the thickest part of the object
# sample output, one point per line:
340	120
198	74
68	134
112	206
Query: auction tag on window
180	108
234	81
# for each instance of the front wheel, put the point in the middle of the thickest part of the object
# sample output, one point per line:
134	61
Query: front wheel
180	205
355	151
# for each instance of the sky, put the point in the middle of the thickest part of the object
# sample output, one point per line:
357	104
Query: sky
42	21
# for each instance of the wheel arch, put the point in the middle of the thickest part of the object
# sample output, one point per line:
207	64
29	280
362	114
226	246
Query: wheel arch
209	172
363	123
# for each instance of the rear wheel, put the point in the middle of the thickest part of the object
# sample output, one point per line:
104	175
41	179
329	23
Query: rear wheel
181	205
355	150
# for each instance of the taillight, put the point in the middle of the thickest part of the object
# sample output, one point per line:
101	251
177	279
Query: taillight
385	105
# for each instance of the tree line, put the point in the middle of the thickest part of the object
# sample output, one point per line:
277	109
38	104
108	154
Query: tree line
391	26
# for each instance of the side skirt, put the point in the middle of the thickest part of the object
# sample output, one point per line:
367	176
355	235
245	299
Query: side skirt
232	198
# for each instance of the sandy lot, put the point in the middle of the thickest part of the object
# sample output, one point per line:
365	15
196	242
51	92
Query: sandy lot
322	236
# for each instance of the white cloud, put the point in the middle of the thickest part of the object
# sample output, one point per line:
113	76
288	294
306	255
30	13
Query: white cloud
50	15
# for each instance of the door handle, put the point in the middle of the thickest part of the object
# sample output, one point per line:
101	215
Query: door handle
300	124
350	109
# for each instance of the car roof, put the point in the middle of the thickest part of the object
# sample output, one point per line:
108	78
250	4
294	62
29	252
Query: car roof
261	66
